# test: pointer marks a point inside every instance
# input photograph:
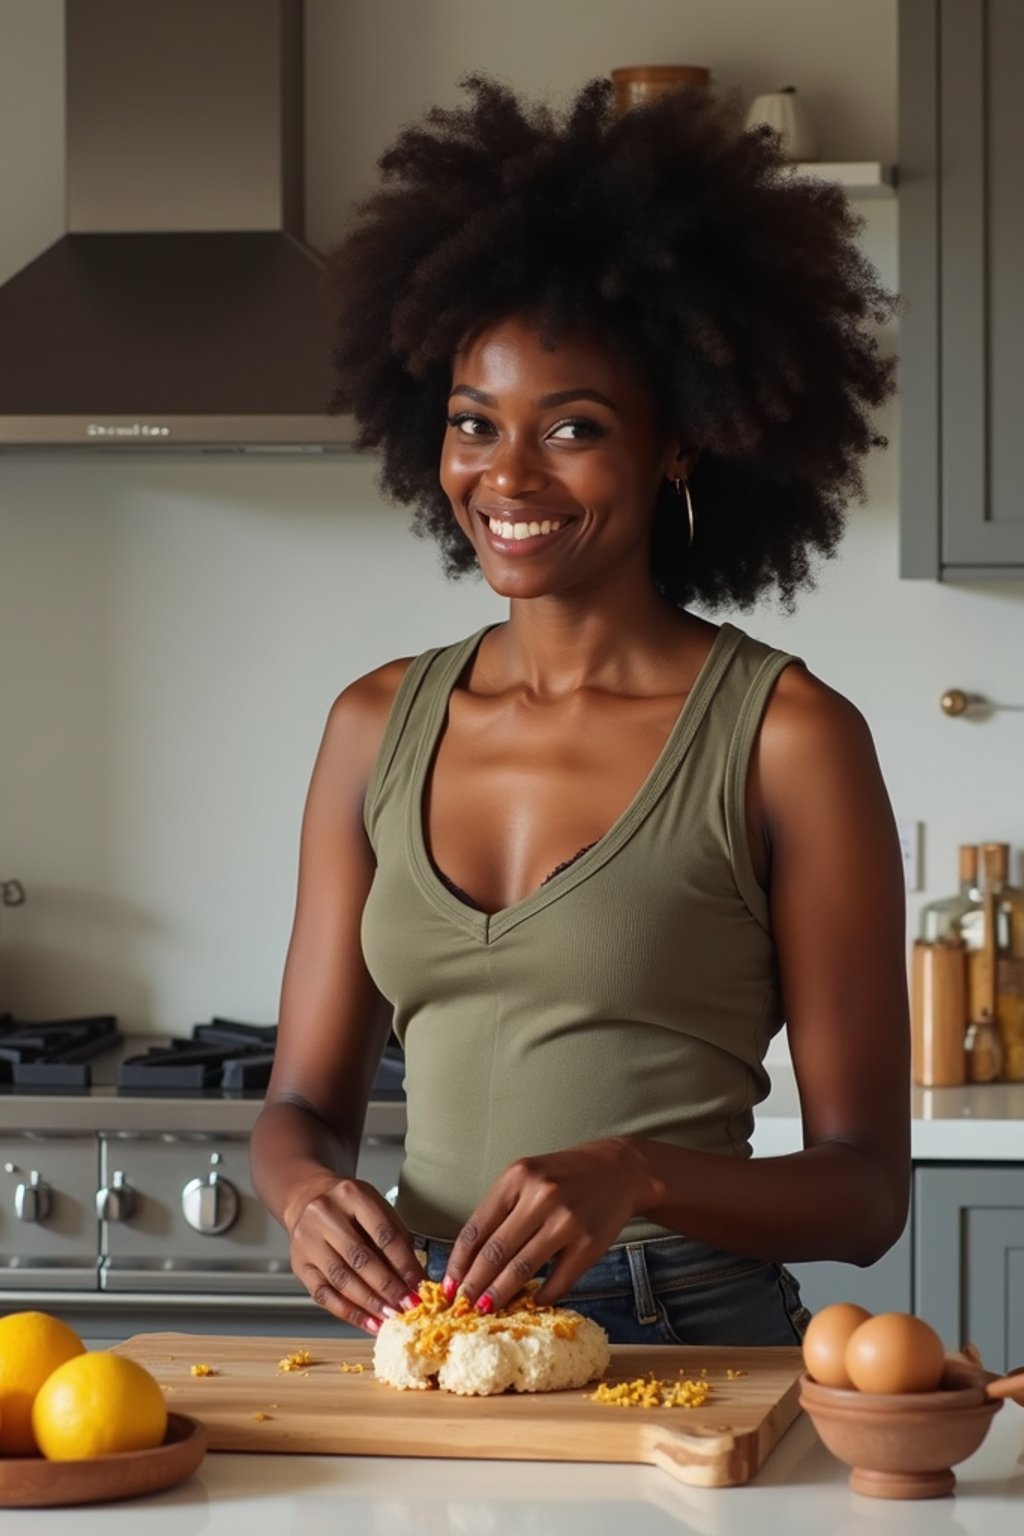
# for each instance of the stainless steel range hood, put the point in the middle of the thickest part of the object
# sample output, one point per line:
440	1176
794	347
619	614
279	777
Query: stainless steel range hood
182	308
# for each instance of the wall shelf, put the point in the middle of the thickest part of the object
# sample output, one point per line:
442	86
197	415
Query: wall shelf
860	178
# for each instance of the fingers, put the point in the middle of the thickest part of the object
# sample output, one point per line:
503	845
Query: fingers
327	1296
354	1256
502	1268
571	1264
566	1206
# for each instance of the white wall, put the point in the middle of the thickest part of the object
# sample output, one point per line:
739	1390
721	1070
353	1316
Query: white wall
172	633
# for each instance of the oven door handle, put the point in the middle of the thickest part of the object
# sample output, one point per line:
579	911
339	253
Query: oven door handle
214	1281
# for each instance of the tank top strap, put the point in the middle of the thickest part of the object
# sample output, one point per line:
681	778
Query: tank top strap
756	677
428	675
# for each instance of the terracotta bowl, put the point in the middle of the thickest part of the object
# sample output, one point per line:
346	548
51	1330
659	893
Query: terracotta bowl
901	1445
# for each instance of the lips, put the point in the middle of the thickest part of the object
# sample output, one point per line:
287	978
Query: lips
522	531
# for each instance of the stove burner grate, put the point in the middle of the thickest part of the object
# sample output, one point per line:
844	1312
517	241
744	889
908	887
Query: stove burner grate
55	1053
220	1055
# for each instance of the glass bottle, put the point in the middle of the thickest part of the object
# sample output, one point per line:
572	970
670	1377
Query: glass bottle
1009	958
984	1049
986	941
941	921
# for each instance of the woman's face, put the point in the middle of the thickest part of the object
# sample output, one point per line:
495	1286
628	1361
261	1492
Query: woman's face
552	460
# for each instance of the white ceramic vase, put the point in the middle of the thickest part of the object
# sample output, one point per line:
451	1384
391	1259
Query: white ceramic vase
786	113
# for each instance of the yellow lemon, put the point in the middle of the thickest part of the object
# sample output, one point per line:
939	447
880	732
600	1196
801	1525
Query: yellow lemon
32	1345
98	1404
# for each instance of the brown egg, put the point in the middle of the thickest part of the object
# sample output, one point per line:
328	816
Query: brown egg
895	1352
825	1341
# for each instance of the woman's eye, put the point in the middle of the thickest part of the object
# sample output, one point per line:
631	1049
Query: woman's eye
468	424
578	427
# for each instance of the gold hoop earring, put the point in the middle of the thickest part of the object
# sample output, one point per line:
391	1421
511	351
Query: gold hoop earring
683	492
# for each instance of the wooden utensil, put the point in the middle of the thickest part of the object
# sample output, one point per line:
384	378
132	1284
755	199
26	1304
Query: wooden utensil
32	1482
249	1404
1011	1385
965	1368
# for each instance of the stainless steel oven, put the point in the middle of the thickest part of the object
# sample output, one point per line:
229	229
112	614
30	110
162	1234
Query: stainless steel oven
123	1212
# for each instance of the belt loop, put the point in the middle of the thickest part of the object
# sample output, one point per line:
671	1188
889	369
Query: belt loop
643	1296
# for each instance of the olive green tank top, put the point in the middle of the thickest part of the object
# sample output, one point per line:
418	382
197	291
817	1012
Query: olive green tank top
633	994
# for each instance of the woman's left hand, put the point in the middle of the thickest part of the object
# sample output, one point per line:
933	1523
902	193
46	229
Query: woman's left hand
567	1205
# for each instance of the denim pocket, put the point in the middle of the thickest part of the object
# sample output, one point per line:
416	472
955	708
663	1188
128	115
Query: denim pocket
751	1304
798	1314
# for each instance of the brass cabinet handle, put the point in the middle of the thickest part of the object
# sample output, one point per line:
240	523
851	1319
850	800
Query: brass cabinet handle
957	701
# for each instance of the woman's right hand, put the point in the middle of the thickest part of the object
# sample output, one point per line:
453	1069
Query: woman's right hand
351	1252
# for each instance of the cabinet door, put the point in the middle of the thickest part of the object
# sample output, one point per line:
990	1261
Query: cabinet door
882	1287
969	1258
961	255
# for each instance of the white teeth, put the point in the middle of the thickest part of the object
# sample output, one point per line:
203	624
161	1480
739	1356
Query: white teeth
523	530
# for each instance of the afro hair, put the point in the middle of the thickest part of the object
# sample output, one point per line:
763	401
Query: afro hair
669	232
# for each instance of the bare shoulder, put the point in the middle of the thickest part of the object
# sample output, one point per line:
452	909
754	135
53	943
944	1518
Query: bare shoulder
815	752
360	711
805	714
355	728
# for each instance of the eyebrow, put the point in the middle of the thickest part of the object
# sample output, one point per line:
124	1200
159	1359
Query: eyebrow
560	397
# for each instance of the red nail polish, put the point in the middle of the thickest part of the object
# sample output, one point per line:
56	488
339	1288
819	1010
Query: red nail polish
449	1287
372	1324
412	1299
485	1304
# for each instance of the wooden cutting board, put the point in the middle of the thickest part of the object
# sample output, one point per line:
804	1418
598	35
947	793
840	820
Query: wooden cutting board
252	1405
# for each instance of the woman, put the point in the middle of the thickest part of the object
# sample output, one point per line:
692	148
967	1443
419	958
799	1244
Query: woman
588	861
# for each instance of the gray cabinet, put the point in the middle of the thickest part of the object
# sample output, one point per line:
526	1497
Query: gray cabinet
961	256
885	1286
969	1260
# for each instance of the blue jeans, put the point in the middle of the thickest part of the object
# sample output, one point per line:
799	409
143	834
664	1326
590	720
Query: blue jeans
669	1290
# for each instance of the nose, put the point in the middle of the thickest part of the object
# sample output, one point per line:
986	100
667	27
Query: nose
514	468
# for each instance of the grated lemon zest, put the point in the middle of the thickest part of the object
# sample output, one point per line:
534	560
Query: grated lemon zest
448	1318
296	1361
650	1392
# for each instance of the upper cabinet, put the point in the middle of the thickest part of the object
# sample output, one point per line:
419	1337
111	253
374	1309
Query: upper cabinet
961	264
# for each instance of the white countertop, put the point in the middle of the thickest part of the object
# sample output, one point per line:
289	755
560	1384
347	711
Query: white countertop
983	1122
801	1491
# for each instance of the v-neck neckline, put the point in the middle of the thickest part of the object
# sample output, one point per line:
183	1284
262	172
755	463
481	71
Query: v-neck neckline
488	926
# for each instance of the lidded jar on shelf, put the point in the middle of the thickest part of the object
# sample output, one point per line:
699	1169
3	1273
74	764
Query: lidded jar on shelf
938	982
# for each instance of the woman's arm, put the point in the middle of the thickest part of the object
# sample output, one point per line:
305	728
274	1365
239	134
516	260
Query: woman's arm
348	1247
817	803
824	840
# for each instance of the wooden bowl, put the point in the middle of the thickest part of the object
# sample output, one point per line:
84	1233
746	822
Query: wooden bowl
638	84
32	1482
900	1445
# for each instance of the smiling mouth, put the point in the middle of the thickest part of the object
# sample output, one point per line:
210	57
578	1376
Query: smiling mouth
516	530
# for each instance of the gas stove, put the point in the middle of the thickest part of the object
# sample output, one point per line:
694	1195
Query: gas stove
125	1196
221	1057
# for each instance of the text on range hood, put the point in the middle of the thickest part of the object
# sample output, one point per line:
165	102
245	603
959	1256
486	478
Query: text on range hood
182	308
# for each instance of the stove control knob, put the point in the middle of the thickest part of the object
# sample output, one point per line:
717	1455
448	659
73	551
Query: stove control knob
116	1200
32	1200
211	1204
